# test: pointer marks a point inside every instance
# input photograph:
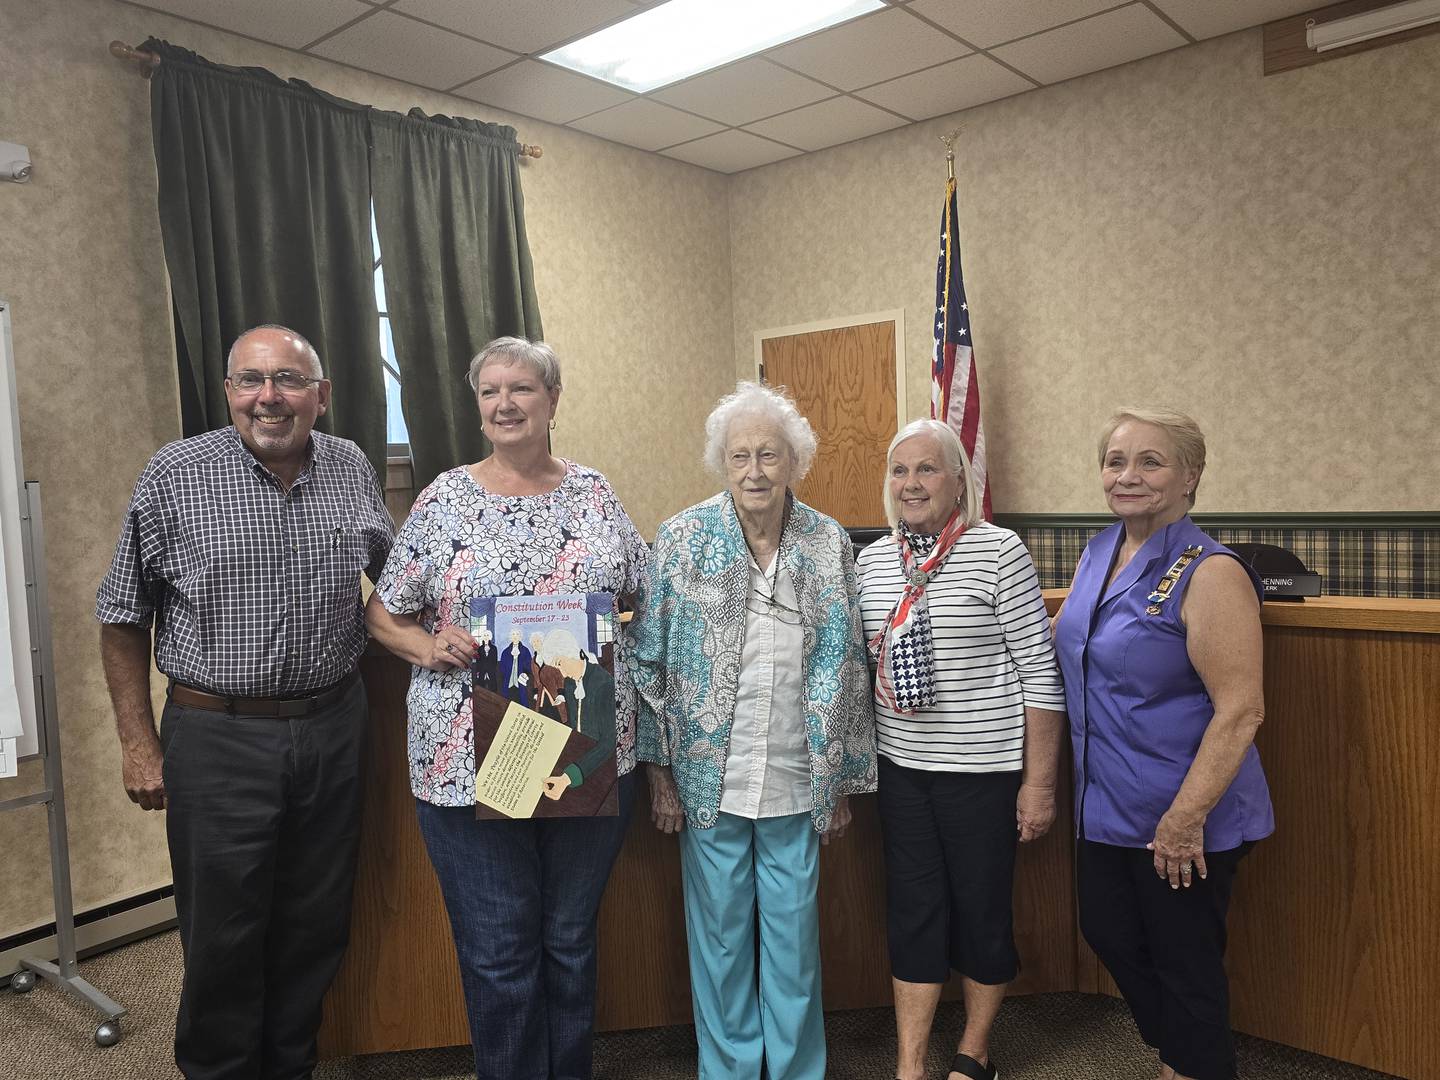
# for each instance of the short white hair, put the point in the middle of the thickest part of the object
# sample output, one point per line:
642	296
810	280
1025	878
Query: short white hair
952	456
751	401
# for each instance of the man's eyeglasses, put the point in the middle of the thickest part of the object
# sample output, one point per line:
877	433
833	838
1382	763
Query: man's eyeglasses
287	382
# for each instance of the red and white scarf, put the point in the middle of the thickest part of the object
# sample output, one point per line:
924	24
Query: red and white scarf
903	650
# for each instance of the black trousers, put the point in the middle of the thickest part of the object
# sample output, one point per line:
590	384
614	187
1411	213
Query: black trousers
1165	949
949	840
263	818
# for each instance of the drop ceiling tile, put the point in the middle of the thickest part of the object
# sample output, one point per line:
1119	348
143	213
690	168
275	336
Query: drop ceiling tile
984	23
730	151
1211	18
1104	41
416	52
961	84
646	124
743	92
291	25
870	49
529	27
544	92
838	120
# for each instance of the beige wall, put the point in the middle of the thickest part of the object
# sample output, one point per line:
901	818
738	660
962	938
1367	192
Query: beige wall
80	260
1261	252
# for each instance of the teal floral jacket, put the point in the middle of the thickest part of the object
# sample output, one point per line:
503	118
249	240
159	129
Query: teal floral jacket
685	644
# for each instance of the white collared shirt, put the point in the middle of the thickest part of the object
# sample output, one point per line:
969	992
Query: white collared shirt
767	769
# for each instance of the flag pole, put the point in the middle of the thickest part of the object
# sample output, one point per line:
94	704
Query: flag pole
955	385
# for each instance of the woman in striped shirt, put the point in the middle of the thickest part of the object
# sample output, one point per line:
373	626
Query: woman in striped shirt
969	717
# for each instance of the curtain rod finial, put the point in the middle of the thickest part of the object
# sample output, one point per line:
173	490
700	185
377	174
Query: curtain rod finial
531	150
148	60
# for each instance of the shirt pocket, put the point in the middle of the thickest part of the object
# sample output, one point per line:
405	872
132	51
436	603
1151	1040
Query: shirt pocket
340	553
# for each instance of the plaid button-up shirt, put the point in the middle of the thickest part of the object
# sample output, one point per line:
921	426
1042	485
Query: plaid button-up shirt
254	591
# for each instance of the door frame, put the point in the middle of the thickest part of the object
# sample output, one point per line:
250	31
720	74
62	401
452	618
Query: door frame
895	316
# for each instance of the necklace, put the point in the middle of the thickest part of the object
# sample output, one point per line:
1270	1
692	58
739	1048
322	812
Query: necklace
773	607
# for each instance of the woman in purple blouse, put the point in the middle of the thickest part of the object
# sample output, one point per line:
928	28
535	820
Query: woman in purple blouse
1160	647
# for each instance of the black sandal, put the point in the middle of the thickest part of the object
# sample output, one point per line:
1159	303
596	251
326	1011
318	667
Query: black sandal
965	1065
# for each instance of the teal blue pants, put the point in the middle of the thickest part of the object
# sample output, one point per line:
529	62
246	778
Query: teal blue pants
735	872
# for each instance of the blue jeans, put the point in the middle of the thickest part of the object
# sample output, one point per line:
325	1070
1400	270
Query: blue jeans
522	898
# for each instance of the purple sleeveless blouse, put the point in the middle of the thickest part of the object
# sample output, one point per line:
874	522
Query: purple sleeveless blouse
1138	708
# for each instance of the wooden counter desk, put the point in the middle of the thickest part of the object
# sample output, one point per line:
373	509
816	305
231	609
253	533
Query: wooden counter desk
1335	926
1335	922
399	987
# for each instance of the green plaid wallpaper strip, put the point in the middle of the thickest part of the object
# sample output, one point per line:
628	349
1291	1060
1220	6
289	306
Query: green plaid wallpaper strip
1350	561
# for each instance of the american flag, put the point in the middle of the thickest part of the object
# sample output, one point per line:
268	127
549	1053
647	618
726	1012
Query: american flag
954	387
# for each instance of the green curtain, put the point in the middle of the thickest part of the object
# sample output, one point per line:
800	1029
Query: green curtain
265	214
451	221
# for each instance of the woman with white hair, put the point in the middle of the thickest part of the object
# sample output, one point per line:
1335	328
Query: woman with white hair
968	719
754	708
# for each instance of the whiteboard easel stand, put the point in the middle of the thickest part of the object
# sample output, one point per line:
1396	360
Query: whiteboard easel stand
64	973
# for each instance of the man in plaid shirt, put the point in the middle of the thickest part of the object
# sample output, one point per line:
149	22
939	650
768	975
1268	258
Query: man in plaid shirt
244	547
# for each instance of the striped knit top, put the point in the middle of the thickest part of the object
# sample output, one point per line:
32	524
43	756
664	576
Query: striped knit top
993	653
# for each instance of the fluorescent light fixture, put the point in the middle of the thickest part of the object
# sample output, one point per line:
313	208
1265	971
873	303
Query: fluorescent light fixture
1368	25
681	38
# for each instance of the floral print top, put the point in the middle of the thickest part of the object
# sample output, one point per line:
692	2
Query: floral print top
462	541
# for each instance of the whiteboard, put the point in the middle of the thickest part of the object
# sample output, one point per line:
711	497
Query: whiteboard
17	681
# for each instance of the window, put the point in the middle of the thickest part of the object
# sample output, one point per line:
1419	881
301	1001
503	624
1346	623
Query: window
395	432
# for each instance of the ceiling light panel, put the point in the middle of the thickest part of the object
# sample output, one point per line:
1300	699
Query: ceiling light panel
681	38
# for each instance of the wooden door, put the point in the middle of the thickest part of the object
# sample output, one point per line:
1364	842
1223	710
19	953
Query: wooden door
843	381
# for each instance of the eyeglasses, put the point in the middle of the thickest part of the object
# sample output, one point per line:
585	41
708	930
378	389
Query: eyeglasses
287	382
760	604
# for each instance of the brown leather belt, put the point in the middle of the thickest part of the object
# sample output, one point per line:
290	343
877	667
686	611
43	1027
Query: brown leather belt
283	708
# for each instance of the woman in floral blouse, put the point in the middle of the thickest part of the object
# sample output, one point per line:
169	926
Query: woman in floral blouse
522	895
754	703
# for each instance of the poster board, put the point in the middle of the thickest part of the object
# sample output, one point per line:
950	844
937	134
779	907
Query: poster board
17	682
542	700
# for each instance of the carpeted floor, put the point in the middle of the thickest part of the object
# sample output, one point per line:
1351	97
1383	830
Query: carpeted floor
47	1036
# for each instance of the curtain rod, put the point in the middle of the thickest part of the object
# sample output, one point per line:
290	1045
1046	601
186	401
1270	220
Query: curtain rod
148	62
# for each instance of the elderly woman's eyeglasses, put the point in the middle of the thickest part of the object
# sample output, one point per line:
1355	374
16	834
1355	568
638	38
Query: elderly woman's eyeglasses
287	382
761	604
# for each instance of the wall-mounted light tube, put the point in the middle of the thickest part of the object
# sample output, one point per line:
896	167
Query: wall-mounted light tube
1368	25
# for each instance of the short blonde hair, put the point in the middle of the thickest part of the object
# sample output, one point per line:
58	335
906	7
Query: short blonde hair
751	401
1181	430
955	460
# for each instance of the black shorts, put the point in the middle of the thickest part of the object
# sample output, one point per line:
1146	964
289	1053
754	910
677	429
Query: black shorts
949	873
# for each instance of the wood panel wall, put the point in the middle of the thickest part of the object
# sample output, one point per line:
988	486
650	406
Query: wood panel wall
1335	923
